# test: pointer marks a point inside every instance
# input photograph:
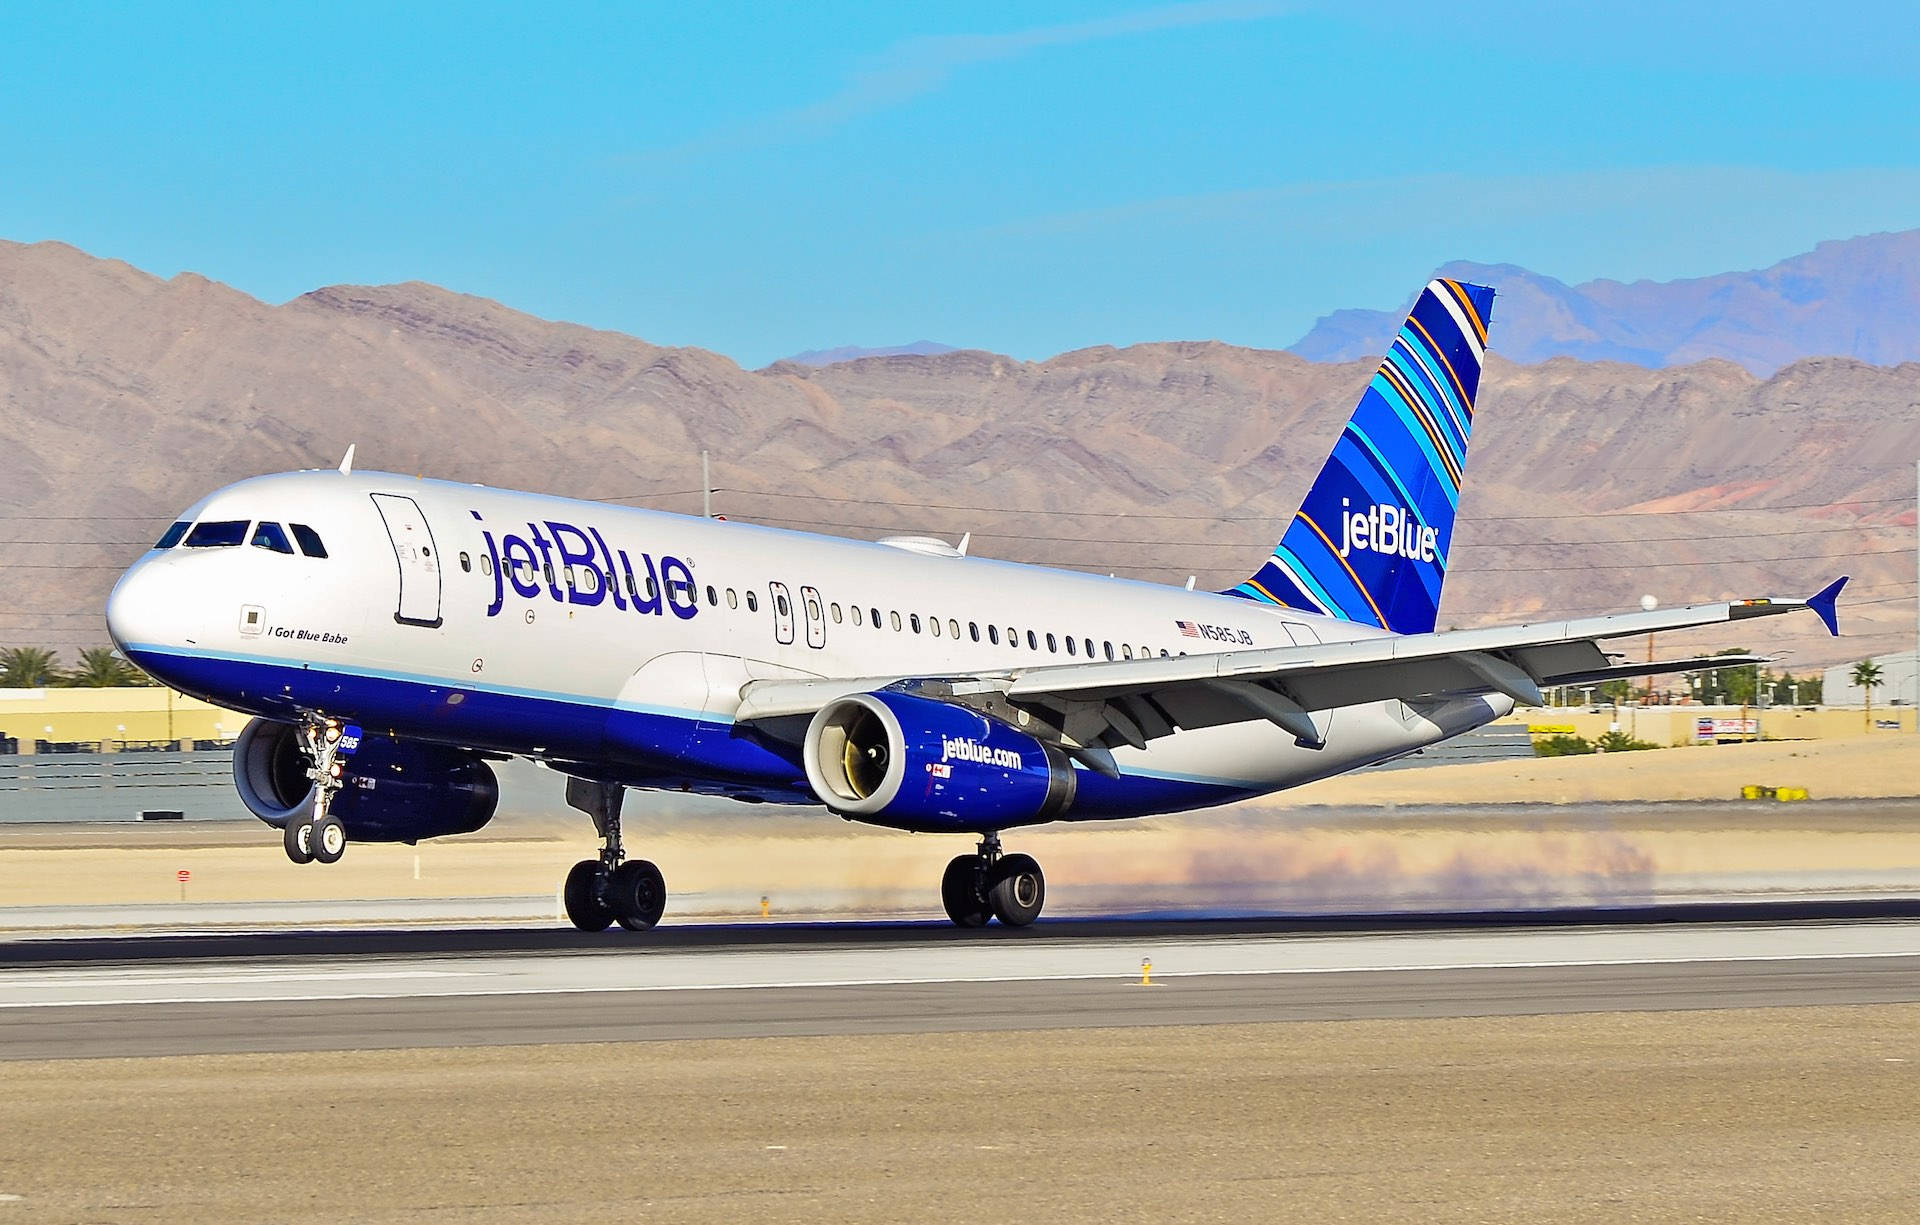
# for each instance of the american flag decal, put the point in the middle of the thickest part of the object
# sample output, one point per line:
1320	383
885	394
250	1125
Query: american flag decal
1188	629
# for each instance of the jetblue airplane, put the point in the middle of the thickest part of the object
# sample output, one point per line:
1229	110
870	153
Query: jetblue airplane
393	635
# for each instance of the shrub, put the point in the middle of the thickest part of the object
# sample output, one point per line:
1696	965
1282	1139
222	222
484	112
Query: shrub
1562	746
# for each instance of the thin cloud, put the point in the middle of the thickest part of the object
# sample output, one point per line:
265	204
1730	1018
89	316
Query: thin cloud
918	66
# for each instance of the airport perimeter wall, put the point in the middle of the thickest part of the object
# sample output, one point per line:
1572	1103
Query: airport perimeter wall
1681	725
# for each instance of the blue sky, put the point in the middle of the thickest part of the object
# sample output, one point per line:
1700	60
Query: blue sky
1027	178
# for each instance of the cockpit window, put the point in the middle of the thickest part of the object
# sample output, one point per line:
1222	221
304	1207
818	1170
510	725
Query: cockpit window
271	536
309	540
172	535
217	534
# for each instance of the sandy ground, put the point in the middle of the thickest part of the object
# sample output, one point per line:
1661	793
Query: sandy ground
1299	851
1863	767
1761	1115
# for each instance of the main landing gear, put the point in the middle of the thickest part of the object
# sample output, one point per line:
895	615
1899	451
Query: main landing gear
600	892
990	885
317	836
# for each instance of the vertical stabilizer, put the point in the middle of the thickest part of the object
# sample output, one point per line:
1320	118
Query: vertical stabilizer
1369	543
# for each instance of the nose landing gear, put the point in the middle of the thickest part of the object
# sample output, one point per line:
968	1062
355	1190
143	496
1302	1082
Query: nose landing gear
317	836
991	885
600	892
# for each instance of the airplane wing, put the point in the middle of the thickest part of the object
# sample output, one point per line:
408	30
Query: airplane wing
1099	706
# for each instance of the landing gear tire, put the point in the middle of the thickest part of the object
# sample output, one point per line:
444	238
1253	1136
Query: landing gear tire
298	839
328	839
1018	890
962	893
586	896
637	894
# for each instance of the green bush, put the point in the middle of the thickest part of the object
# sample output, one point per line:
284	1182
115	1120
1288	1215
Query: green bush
1620	742
1562	746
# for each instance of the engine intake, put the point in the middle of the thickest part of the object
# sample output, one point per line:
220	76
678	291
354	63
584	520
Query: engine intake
909	762
394	790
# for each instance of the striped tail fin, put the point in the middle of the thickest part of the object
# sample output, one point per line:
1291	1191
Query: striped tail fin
1369	543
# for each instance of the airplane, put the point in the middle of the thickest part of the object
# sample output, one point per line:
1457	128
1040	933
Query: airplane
393	635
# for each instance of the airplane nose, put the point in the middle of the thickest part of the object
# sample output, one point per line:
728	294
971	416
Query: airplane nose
135	608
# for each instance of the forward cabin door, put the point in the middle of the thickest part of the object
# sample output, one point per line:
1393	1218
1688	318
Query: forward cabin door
419	560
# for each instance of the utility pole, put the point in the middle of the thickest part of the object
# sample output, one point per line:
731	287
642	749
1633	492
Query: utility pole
706	488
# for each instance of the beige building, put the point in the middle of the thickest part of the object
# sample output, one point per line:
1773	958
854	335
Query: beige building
109	718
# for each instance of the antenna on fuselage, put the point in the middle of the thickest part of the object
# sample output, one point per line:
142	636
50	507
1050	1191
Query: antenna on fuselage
346	461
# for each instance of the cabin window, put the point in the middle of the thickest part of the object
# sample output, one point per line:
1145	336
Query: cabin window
466	563
1033	641
834	609
876	617
934	625
1163	652
733	601
973	630
1109	648
993	634
1070	647
218	534
172	535
855	609
1126	650
896	621
713	597
308	539
568	571
753	602
486	565
271	536
915	619
589	579
547	569
1087	643
953	628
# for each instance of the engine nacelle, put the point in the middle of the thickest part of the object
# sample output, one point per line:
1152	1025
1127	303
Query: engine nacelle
393	790
909	762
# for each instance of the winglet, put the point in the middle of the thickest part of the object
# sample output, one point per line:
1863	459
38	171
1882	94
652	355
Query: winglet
346	461
1824	602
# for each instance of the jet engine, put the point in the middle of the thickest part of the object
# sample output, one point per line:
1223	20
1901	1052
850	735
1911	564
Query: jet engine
392	790
909	762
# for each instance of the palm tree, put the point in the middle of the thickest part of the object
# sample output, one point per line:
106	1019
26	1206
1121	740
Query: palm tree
100	668
1866	674
28	668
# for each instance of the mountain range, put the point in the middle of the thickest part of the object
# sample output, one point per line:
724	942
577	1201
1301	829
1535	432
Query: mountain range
1859	298
126	397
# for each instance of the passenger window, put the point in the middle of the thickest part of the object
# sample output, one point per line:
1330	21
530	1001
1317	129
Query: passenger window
589	578
973	630
1088	644
309	540
1070	647
953	628
1126	650
1109	647
876	617
486	565
172	535
713	597
1033	641
896	621
993	634
915	617
653	589
1163	652
466	563
547	569
835	610
934	625
1052	645
780	604
630	588
733	601
270	536
753	602
219	534
856	614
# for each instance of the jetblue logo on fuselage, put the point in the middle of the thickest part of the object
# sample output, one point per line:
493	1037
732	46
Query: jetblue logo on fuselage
1386	529
572	565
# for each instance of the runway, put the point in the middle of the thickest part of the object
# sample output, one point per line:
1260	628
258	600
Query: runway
266	992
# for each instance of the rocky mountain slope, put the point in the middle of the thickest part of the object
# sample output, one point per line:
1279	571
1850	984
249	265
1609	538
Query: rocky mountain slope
1855	298
126	397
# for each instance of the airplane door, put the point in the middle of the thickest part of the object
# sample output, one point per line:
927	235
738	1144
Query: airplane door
782	613
816	618
418	559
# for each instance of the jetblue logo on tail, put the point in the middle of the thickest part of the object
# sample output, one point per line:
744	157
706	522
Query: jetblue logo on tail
1386	529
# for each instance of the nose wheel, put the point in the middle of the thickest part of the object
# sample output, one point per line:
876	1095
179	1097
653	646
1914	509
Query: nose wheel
991	885
317	836
611	889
